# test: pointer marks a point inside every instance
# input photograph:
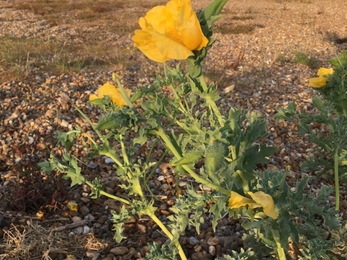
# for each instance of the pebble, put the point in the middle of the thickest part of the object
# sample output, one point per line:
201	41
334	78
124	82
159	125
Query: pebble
193	241
84	210
119	250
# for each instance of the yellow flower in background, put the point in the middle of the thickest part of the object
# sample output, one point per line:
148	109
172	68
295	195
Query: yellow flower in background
73	206
259	199
170	32
321	80
109	90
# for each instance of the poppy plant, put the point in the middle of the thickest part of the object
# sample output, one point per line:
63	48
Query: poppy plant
170	32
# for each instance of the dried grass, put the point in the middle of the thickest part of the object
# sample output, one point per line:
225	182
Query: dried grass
33	241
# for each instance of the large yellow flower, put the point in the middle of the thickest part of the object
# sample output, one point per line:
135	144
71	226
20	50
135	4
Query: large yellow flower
114	94
170	32
259	199
321	80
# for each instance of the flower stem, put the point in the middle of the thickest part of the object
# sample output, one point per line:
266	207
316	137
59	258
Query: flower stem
125	201
113	157
336	176
122	91
160	132
280	250
89	121
212	105
166	231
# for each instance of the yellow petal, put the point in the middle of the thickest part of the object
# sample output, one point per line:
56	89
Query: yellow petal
325	71
319	82
237	201
73	206
107	90
170	32
92	97
114	94
266	201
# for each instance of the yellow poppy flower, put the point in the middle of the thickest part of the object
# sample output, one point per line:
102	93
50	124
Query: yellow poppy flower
109	90
259	199
321	80
266	201
170	32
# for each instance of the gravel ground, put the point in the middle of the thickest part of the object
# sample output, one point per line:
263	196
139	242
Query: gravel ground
253	63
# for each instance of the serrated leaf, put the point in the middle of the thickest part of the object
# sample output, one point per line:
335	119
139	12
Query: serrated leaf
73	171
118	223
211	12
113	120
214	159
46	167
190	157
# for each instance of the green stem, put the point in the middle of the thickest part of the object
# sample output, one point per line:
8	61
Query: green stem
125	201
125	155
336	176
90	139
245	186
122	91
181	106
280	250
166	231
90	122
113	157
160	132
212	105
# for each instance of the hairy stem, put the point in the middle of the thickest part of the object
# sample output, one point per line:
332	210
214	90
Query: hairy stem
336	176
166	231
280	251
160	132
212	105
125	201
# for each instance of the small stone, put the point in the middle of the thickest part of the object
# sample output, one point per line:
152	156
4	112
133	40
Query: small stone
84	210
142	228
212	250
119	250
92	254
40	146
89	217
193	241
161	178
228	241
86	230
182	183
64	123
109	161
76	219
213	241
30	140
78	230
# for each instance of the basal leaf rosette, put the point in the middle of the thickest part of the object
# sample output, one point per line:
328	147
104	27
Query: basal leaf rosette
170	32
257	199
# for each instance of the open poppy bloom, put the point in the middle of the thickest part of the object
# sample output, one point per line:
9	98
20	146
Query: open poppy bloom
114	94
259	199
170	32
321	80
